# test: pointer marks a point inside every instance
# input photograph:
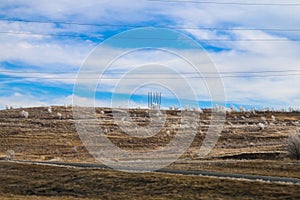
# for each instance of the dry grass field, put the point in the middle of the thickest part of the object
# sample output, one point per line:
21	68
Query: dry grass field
21	181
243	148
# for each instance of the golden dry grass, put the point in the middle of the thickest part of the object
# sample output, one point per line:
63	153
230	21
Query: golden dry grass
43	137
63	183
277	168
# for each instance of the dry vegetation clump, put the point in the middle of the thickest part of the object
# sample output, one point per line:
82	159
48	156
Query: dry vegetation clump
293	145
10	155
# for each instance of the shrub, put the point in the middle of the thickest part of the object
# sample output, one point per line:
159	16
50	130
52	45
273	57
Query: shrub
293	145
59	115
10	155
24	114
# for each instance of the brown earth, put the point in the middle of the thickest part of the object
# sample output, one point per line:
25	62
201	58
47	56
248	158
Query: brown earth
23	181
243	147
42	136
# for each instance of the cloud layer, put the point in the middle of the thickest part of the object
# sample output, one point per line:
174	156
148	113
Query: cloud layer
55	51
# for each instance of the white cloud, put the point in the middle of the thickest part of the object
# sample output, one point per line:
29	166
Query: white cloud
56	54
19	100
32	51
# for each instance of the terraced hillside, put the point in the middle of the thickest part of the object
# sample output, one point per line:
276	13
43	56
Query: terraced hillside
44	136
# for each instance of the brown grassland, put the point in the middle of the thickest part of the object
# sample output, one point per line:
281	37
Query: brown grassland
243	148
22	180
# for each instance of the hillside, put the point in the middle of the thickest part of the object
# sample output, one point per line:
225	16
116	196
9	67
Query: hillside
245	147
43	136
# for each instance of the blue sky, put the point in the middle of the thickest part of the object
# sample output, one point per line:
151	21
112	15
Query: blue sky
39	60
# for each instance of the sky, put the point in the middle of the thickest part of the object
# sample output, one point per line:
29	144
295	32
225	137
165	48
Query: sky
253	49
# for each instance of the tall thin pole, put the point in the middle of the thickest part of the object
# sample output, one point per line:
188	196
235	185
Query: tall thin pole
154	100
159	100
148	99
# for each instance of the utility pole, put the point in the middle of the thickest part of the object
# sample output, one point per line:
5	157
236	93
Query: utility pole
154	100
